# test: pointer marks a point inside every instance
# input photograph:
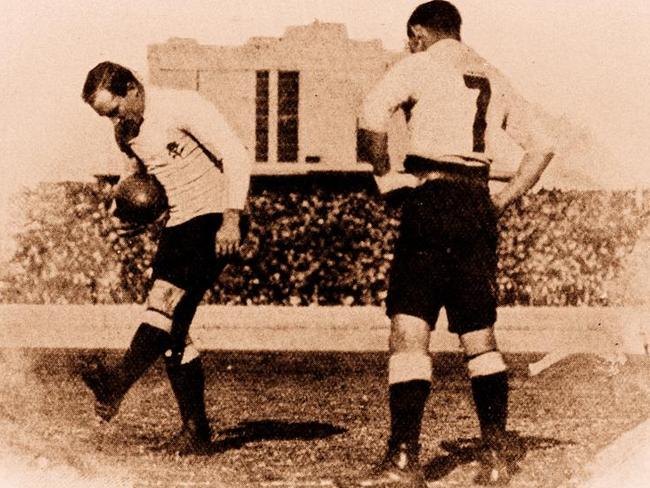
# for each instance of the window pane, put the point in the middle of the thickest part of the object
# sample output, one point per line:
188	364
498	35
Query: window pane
288	100
262	117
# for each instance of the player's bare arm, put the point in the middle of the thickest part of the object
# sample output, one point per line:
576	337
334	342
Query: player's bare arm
373	148
524	125
228	238
530	170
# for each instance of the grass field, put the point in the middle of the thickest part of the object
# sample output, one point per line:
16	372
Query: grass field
301	419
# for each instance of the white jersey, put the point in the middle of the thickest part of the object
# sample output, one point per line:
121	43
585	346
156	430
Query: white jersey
454	101
187	144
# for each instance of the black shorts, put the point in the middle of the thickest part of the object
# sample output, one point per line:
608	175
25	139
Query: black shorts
186	255
446	256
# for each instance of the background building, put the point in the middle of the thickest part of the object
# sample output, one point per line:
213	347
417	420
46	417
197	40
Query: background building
294	99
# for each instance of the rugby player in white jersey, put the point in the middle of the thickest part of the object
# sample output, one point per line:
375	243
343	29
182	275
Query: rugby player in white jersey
185	142
455	102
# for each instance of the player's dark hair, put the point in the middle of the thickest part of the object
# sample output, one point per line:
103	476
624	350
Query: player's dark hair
437	15
109	76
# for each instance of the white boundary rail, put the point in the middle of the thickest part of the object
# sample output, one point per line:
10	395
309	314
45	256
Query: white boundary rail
519	329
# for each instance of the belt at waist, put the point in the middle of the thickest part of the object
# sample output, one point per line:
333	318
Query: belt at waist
429	169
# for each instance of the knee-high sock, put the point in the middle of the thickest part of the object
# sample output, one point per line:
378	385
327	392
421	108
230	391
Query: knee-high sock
147	344
409	377
188	384
490	394
407	401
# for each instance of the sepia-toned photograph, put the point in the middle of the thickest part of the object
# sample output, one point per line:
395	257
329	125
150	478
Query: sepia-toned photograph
325	243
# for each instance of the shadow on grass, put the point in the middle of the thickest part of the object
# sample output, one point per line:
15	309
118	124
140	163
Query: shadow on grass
465	450
272	430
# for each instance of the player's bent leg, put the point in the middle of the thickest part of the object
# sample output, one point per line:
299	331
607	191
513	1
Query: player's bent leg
489	379
187	379
409	379
151	339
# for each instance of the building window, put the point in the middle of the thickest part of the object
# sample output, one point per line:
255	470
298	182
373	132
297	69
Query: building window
262	117
288	98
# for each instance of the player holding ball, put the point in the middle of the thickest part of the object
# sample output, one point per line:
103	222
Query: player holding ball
193	170
455	102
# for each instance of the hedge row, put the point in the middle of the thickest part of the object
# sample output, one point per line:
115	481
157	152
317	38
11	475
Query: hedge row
319	247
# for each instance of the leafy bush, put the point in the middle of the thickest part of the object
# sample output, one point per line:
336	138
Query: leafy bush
564	248
318	247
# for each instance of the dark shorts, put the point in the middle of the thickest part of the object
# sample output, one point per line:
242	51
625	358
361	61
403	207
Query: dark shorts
446	256
186	254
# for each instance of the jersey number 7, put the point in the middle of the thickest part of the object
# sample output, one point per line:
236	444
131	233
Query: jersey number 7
481	84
